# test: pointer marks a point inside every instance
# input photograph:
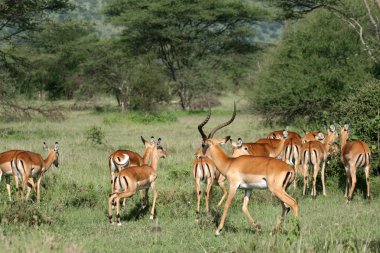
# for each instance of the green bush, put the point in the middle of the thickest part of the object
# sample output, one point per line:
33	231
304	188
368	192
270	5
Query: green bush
95	135
24	212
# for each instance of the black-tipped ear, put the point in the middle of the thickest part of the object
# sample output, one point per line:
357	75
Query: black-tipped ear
143	140
159	141
151	139
45	147
56	147
227	138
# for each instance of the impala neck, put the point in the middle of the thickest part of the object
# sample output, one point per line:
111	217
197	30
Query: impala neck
343	141
219	157
154	160
49	159
280	147
147	153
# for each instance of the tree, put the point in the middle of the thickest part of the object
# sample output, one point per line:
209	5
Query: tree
362	16
17	18
185	35
310	70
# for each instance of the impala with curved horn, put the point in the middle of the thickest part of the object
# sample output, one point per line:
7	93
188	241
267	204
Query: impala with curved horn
354	154
248	173
205	171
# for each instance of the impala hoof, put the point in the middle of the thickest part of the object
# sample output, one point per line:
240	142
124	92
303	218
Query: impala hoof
258	227
151	217
217	233
119	224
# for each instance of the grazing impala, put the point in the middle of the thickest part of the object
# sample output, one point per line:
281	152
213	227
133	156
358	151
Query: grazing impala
315	153
130	180
29	164
205	171
354	154
315	136
248	173
263	147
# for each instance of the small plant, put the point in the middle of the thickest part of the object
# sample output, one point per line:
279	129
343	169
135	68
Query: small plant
95	135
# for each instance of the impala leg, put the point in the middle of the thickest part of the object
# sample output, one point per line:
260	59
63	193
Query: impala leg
353	182
305	172
367	170
199	192
287	200
120	196
144	198
246	212
210	181
221	184
153	186
39	189
230	197
111	202
8	183
323	177
29	188
348	179
15	178
315	174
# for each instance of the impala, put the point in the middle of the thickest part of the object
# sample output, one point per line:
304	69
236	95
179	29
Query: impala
315	153
205	171
292	149
354	154
126	158
262	147
6	167
29	164
315	136
248	173
130	180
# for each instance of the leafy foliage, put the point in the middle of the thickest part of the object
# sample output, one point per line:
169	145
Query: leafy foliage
185	35
309	71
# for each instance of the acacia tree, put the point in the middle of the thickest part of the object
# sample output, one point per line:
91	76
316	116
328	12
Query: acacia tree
185	34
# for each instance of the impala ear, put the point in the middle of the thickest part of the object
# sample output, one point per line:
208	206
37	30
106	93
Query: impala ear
159	142
224	140
143	140
56	147
320	137
45	147
239	142
346	127
332	128
151	139
285	133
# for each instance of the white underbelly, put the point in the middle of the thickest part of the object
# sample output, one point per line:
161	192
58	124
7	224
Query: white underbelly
257	185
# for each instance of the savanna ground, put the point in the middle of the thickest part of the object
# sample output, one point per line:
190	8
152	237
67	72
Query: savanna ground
72	216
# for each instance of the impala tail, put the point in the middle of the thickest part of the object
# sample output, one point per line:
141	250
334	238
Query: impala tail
116	162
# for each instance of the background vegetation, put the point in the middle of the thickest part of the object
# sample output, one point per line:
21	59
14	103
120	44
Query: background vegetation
87	72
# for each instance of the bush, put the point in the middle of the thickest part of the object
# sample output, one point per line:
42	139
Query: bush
24	212
95	135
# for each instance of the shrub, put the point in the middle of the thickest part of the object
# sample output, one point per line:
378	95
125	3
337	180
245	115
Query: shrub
95	135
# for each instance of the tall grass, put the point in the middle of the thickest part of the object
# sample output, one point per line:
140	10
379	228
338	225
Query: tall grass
72	216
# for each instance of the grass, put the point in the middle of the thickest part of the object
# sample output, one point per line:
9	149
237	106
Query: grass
72	216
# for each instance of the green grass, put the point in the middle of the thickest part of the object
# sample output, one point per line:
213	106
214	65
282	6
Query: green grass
72	216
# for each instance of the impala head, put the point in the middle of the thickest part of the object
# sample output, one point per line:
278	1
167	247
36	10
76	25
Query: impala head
161	151
344	132
209	140
332	134
238	148
56	153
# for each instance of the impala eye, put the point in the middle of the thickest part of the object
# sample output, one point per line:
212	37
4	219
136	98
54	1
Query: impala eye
246	149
